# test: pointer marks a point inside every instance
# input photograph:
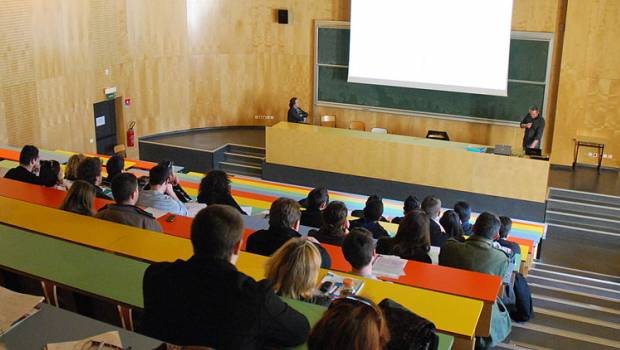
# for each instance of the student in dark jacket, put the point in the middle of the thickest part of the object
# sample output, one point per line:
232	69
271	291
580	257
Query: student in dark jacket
89	170
206	301
317	200
215	189
451	223
432	206
359	213
411	203
114	166
335	224
284	217
464	211
125	211
29	166
504	232
412	240
295	113
372	213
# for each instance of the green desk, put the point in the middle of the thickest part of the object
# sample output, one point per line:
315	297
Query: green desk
97	273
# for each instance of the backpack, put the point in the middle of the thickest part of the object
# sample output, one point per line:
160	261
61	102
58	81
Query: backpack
409	331
523	309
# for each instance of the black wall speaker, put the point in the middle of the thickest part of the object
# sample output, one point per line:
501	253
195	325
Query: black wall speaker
283	16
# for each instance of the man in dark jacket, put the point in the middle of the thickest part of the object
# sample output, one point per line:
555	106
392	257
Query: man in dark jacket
28	166
504	231
432	206
316	202
295	113
464	211
124	211
284	218
373	212
534	126
89	170
205	301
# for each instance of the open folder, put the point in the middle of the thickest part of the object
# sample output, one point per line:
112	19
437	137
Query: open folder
16	307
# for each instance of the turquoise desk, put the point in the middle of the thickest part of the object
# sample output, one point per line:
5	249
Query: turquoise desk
111	277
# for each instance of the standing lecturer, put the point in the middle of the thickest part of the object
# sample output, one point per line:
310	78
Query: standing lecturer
296	114
534	125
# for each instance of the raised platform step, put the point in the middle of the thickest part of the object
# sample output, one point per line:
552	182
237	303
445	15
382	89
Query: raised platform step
246	150
241	169
600	222
584	197
540	266
585	208
241	158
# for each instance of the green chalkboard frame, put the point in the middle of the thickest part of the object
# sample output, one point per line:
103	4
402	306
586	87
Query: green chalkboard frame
337	62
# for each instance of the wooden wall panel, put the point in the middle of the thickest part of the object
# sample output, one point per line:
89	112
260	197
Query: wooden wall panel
589	92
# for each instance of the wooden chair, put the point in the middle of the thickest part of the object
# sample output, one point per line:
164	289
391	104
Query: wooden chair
328	121
379	130
357	125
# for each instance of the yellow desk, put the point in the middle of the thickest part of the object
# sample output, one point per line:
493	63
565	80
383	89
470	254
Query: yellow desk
406	159
454	315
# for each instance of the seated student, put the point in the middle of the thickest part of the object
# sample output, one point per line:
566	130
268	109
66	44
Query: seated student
478	254
412	240
464	211
284	216
411	203
206	301
504	232
360	213
51	175
114	166
71	168
89	170
28	168
294	271
317	200
160	194
176	184
432	206
335	224
373	211
215	189
350	323
451	222
358	249
80	198
124	211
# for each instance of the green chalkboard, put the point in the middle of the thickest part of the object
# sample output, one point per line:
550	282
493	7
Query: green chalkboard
527	83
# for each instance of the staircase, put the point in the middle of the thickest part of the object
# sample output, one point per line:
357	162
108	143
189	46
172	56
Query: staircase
573	309
241	160
584	215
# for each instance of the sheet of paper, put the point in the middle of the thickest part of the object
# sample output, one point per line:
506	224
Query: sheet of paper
193	208
156	212
109	338
434	254
389	266
14	306
247	209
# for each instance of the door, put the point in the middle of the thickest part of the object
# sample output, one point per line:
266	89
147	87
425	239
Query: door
105	126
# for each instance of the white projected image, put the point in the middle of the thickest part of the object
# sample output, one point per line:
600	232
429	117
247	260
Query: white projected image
448	45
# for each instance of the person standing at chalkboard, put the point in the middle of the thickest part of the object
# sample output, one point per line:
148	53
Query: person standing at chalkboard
534	125
296	114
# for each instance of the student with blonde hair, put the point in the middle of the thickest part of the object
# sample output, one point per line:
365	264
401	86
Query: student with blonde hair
294	271
72	166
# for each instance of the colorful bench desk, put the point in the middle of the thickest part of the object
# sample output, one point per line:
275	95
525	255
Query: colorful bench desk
149	246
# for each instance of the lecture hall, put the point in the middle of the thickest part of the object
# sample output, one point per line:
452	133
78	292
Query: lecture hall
310	174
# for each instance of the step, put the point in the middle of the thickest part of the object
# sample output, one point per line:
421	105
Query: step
577	309
241	169
596	222
572	323
568	277
241	158
544	291
611	293
577	272
544	337
593	209
248	150
579	231
586	197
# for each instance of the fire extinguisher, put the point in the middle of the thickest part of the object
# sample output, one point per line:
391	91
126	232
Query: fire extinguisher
131	135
